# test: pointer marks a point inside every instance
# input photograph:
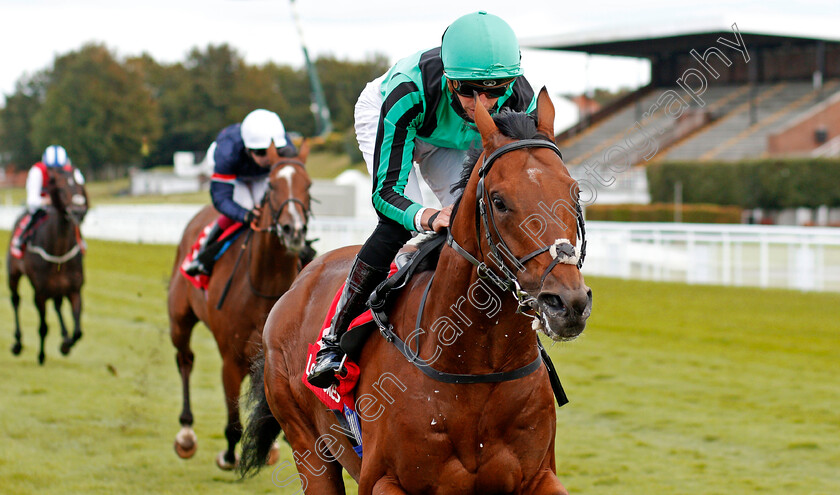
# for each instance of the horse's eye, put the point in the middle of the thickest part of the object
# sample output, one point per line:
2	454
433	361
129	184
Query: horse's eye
499	204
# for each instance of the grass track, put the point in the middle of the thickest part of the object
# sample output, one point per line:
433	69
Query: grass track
674	389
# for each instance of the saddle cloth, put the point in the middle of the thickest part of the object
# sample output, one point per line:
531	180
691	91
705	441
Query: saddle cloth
201	280
341	398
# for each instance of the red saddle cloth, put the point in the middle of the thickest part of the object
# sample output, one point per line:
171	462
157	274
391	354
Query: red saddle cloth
201	280
337	397
17	248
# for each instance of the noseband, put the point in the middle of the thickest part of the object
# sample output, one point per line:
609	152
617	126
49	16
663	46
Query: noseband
562	250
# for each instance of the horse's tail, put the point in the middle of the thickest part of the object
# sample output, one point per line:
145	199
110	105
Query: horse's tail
262	428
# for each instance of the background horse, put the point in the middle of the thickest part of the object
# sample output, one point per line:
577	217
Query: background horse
421	435
269	264
52	261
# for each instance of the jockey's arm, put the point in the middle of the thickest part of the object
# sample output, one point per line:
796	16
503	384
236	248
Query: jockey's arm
402	111
34	186
221	193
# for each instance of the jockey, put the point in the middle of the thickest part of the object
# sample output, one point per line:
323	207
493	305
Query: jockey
37	198
422	110
242	155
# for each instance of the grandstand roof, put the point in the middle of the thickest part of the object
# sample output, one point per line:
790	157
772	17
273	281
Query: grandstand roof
648	40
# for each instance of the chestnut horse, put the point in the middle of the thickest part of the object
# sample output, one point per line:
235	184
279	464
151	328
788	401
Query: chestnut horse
475	413
52	261
250	276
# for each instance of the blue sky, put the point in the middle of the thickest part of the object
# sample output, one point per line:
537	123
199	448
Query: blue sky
35	31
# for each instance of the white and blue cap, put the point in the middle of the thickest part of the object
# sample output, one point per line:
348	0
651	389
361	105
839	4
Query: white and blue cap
55	156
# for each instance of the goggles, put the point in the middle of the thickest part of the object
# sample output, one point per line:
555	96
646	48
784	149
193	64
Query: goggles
493	88
261	152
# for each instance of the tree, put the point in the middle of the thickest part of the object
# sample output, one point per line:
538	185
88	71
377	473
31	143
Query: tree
16	120
96	109
343	82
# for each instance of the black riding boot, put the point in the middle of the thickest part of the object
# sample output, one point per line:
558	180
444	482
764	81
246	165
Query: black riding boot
28	230
361	281
206	257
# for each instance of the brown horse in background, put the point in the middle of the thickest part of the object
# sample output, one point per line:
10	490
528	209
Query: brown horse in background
52	260
421	435
269	264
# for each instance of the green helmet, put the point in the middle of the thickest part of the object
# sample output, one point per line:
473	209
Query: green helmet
480	46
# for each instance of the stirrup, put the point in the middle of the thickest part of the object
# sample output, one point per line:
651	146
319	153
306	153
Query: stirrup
324	372
195	268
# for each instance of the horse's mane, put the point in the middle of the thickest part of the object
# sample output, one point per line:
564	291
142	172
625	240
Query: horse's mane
515	125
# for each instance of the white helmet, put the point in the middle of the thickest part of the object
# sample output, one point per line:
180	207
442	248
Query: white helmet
261	127
55	156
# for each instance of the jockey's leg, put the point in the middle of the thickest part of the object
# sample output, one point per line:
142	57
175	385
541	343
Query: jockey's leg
206	257
370	267
28	223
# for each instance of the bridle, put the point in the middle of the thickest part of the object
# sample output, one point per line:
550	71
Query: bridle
562	250
275	217
276	212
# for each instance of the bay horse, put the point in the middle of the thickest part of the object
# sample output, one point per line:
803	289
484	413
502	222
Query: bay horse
52	260
486	424
270	262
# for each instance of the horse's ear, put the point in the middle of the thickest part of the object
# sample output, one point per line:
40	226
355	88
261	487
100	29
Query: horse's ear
303	151
491	137
545	114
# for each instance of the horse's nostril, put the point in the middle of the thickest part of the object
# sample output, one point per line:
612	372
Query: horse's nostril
552	302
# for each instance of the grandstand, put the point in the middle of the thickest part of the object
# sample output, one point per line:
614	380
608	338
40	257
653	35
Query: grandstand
718	91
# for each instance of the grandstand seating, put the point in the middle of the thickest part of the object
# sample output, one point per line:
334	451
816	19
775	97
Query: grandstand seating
729	131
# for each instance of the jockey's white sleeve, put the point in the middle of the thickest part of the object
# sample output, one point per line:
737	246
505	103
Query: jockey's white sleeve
34	184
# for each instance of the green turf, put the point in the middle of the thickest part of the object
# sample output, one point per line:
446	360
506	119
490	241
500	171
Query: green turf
674	389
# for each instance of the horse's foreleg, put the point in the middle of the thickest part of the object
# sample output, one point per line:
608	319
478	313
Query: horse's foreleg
14	279
186	441
233	373
76	305
41	304
65	340
386	486
549	484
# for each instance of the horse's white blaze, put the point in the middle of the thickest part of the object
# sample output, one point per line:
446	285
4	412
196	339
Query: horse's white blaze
287	173
533	173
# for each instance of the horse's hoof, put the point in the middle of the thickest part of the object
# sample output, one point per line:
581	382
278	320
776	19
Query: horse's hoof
16	348
65	346
224	464
186	443
273	455
41	358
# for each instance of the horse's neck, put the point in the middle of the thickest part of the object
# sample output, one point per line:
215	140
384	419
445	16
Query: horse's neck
57	234
271	263
471	323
